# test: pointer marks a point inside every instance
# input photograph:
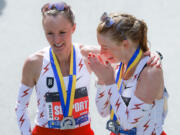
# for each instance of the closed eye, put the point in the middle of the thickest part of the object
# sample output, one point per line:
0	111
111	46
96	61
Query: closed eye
49	33
62	32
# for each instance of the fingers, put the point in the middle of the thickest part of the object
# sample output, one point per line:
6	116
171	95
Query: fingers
96	61
92	59
150	60
108	64
103	71
96	66
89	56
159	65
100	59
154	62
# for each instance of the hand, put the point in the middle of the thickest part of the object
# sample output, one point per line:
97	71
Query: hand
86	49
104	71
154	59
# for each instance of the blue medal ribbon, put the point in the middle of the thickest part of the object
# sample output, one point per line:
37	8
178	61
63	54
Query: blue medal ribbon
66	97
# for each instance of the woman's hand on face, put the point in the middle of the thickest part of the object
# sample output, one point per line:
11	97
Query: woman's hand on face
86	49
104	71
154	59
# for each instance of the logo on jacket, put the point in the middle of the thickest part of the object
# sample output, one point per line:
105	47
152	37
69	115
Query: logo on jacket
50	82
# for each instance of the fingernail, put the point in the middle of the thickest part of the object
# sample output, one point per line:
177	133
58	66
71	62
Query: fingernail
89	63
158	66
93	55
89	55
100	59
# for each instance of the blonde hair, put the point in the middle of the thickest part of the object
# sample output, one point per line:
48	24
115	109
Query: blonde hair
53	11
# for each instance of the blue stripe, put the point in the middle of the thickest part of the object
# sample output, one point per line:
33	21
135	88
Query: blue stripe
118	73
70	84
68	95
57	81
128	132
114	117
120	89
133	57
81	119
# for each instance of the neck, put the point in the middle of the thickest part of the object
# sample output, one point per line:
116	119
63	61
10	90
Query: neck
128	75
64	59
128	56
132	70
64	63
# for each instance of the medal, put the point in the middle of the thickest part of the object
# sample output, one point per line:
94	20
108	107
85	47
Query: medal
112	126
68	123
66	97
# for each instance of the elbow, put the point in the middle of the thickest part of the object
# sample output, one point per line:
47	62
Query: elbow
16	108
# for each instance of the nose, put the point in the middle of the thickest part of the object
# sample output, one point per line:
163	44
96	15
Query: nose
103	53
57	39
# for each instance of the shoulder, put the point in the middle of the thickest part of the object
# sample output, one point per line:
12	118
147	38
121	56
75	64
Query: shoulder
32	67
150	73
34	59
150	84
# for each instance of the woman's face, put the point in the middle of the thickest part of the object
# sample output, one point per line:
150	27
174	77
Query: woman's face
58	31
112	51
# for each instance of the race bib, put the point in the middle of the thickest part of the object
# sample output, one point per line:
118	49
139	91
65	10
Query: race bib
80	107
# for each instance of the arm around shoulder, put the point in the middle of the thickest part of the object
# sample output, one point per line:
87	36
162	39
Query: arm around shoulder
150	85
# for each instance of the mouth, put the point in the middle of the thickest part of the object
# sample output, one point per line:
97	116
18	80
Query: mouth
60	45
